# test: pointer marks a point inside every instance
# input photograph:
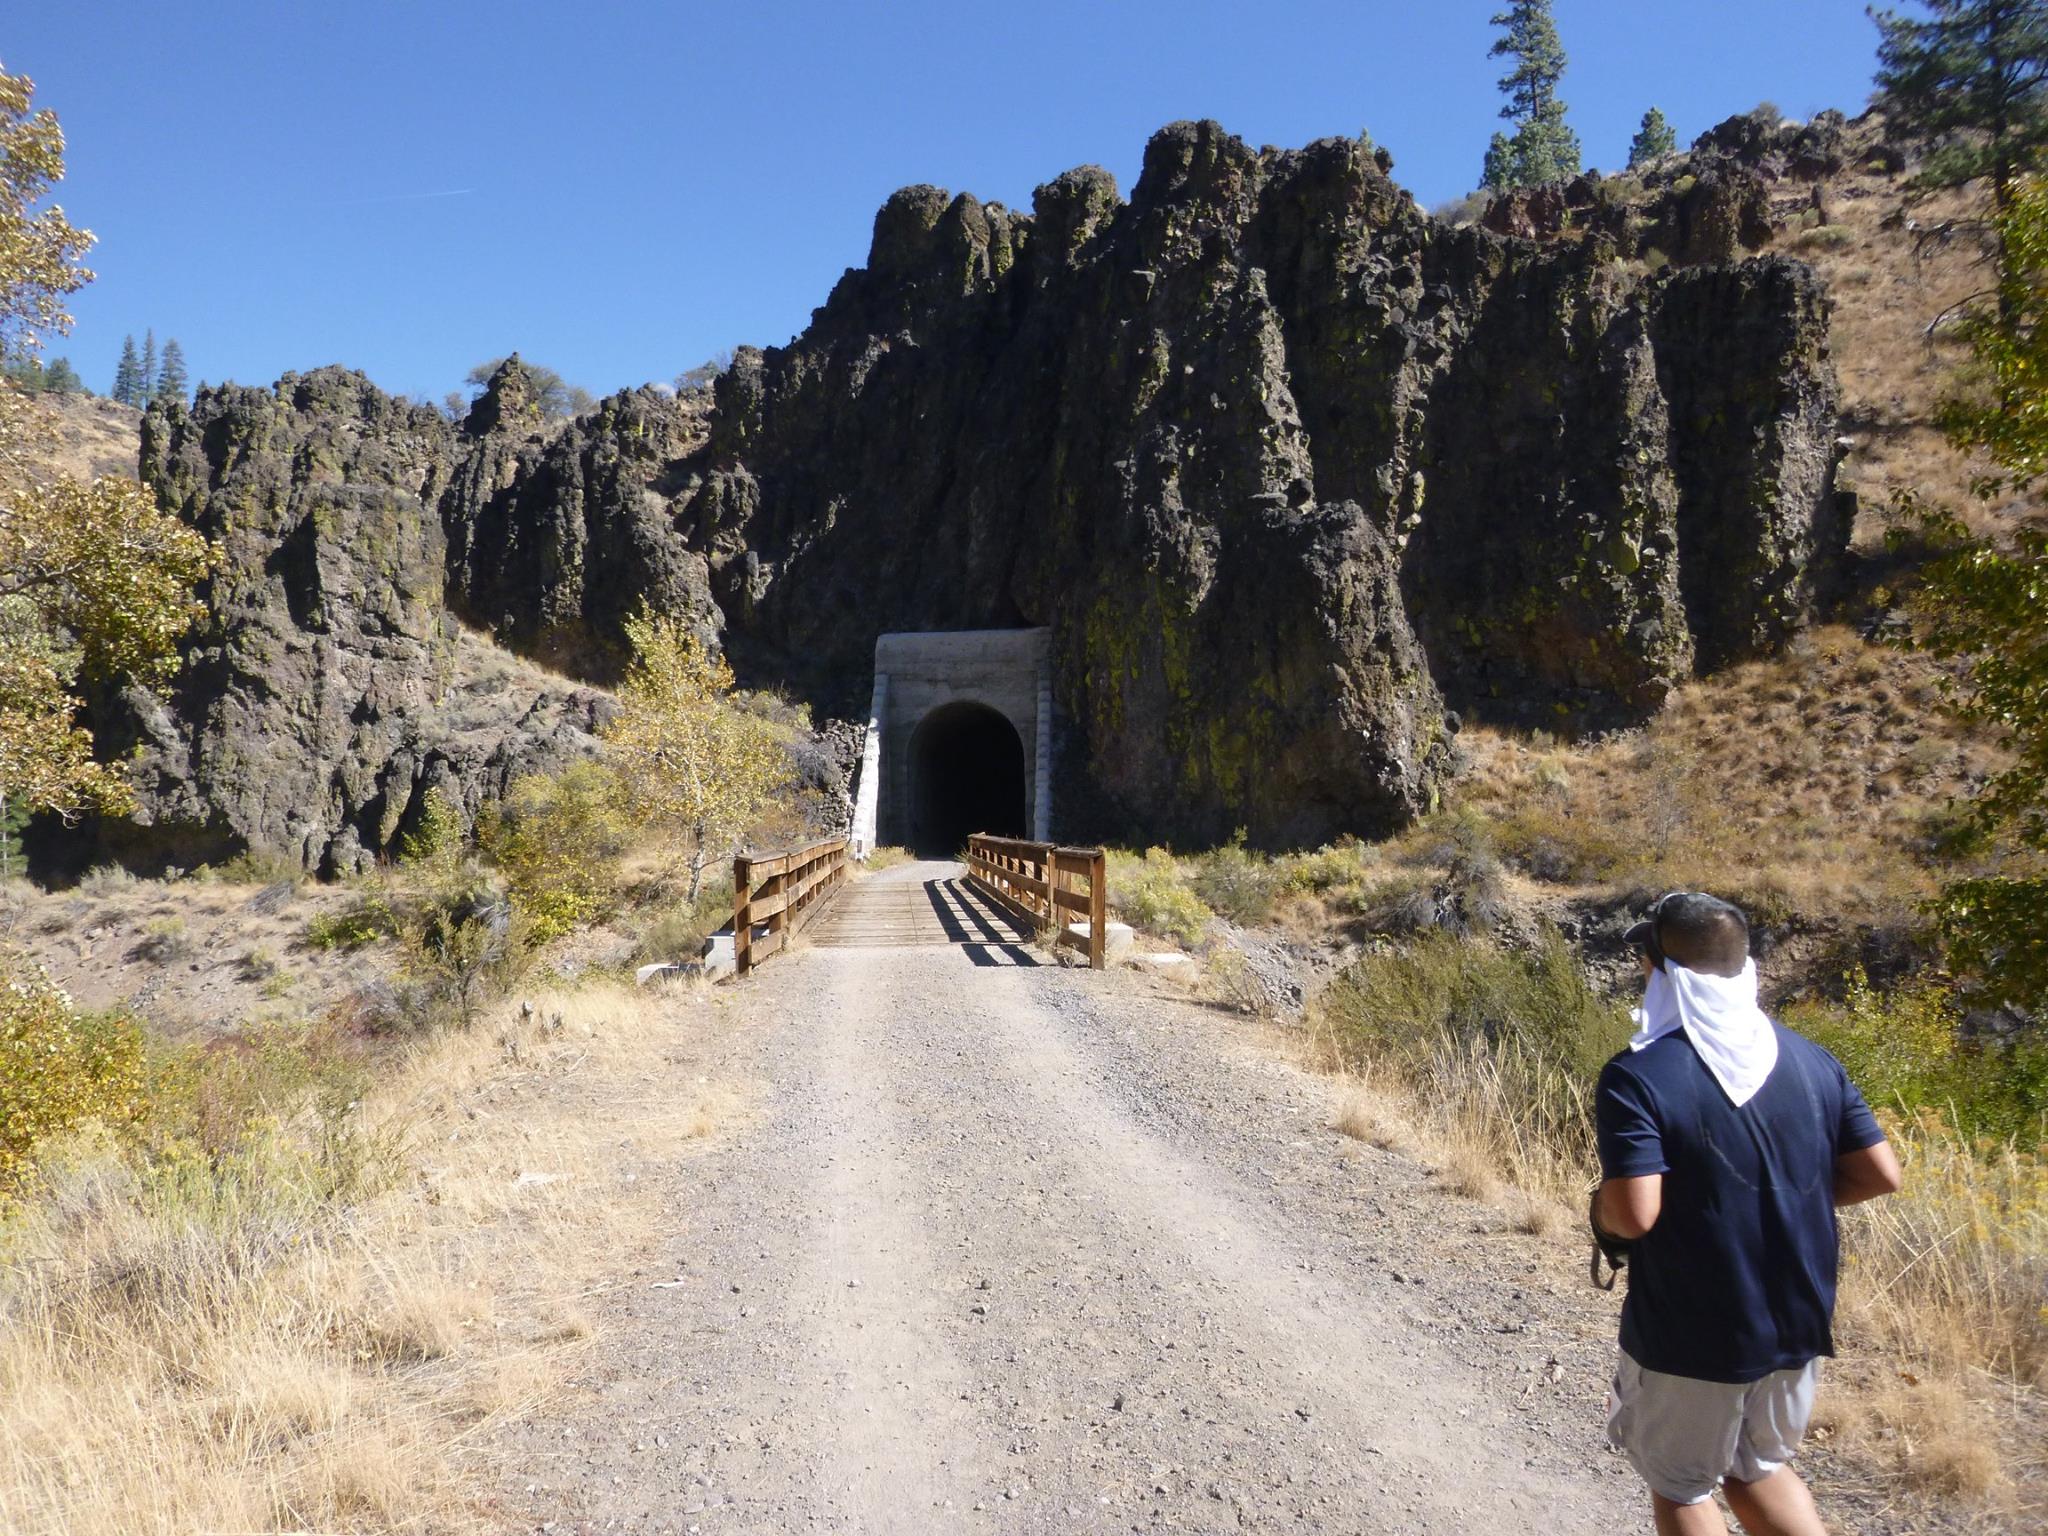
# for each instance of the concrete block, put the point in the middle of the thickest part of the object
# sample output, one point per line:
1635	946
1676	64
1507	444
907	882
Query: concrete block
1169	962
1116	939
669	970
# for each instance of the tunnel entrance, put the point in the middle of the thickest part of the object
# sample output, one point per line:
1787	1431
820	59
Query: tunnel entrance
966	776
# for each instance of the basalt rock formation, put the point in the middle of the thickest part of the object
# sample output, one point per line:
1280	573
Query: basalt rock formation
1295	474
329	691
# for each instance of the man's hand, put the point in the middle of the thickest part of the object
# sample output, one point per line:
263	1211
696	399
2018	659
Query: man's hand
1867	1173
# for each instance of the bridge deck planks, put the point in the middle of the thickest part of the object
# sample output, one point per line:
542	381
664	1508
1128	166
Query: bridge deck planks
898	914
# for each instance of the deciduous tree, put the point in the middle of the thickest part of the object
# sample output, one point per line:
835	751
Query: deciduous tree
95	581
546	388
1985	603
558	839
701	768
705	373
40	252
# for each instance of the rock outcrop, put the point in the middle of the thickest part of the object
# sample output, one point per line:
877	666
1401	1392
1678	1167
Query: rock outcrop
1711	205
1285	465
555	537
1295	474
328	690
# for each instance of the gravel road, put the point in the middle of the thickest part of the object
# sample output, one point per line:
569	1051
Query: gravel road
1014	1247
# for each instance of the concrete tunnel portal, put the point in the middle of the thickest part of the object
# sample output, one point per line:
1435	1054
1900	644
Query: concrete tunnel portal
959	740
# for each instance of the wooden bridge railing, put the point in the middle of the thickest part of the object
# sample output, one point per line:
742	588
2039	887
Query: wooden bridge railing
1035	881
784	891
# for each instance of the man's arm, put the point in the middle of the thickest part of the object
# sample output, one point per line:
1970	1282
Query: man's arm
1867	1173
1629	1207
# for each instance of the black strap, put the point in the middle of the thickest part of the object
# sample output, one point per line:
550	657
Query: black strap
1605	1246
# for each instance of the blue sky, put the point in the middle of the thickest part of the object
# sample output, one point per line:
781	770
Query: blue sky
617	188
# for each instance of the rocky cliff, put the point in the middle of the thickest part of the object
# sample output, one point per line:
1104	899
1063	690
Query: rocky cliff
329	690
1294	473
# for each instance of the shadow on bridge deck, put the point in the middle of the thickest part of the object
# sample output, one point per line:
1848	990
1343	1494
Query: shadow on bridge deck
914	907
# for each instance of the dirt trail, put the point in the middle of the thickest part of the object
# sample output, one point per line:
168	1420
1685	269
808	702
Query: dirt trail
1018	1248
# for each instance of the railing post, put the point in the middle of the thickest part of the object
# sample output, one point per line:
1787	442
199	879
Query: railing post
742	915
1098	911
778	922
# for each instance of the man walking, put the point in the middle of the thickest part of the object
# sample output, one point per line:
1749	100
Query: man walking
1726	1142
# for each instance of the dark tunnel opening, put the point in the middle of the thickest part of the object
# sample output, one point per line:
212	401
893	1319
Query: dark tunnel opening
966	776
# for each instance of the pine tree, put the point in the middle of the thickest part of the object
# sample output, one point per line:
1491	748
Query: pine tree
145	380
60	378
1543	147
126	373
1970	82
1498	172
170	378
1653	140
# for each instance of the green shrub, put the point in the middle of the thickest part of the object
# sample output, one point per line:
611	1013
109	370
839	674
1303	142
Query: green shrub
1441	986
164	940
1152	894
1826	237
59	1067
435	843
1906	1050
105	880
1341	868
1504	1045
558	840
367	918
460	946
1239	884
254	866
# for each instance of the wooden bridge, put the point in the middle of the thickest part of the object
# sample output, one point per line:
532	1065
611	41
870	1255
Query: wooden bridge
1007	893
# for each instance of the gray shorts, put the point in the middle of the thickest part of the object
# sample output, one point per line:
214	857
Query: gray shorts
1684	1435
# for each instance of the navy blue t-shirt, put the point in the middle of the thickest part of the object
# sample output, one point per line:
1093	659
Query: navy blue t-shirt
1737	1277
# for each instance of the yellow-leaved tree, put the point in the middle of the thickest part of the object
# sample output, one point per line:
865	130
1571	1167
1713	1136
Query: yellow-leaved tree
95	581
701	768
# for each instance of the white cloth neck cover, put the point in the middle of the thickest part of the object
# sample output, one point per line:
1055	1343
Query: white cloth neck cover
1720	1016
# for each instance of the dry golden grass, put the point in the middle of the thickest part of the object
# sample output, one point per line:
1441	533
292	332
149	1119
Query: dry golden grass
1930	1435
90	436
1461	1140
1953	1270
1808	781
1363	1116
236	1355
1889	287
